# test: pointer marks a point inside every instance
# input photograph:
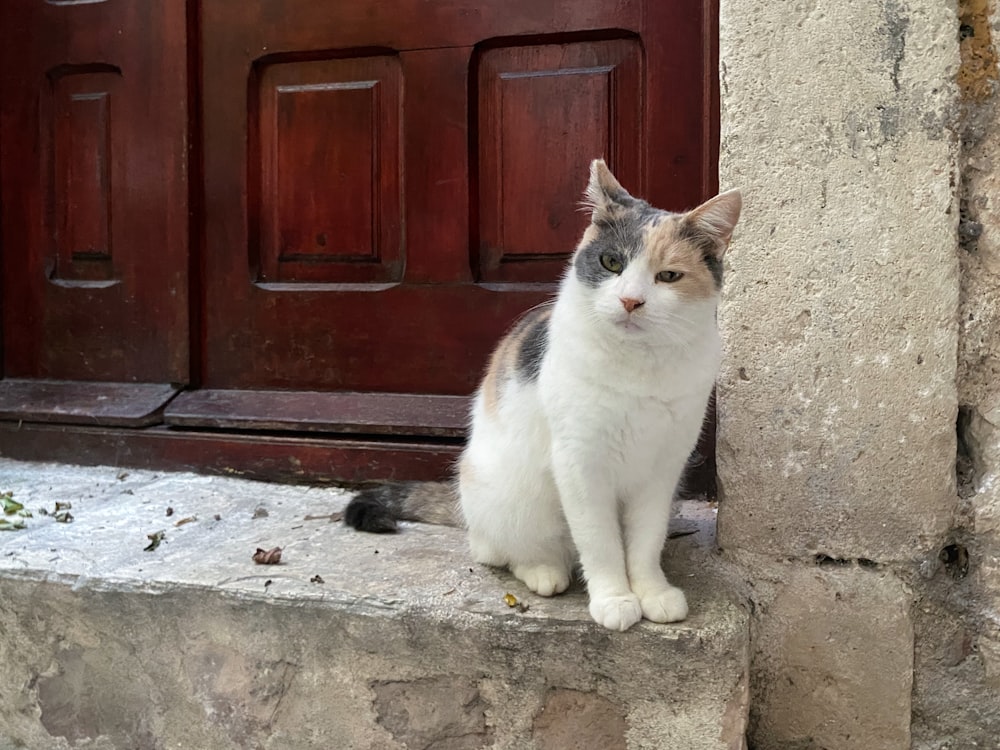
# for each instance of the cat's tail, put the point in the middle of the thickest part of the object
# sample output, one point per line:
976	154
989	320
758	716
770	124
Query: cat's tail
378	508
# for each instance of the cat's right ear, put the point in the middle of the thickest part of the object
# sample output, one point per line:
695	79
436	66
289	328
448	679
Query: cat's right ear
712	223
604	193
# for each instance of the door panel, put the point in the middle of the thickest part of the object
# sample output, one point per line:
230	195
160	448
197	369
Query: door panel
79	111
327	137
389	185
544	111
93	141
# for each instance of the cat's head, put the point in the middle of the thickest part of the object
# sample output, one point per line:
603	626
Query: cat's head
644	269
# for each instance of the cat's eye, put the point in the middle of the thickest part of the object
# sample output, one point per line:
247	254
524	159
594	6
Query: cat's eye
668	277
612	262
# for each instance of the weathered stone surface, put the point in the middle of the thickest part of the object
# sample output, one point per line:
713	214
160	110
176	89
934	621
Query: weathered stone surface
571	720
837	398
957	695
832	661
404	644
441	713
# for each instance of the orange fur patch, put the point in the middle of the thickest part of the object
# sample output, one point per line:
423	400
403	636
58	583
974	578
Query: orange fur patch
503	363
666	251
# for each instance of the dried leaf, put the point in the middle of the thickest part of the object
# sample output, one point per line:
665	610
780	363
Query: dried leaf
64	516
10	505
154	540
317	579
267	557
681	532
16	524
510	600
183	521
63	506
260	512
170	511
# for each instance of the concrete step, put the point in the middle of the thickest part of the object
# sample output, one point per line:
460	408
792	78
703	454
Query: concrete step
352	641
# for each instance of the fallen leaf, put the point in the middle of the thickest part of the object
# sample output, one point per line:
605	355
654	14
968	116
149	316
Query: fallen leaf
510	600
267	557
170	511
64	516
260	512
63	506
12	525
317	579
267	583
681	532
10	505
122	476
154	540
217	517
183	521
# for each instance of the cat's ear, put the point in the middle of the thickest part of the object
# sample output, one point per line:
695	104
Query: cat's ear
604	192
712	223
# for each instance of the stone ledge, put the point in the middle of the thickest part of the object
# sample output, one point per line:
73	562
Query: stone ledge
405	643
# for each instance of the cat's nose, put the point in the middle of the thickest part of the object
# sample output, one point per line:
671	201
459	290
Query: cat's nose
630	303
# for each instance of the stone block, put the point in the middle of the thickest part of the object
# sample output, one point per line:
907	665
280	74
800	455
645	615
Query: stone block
832	663
837	397
352	641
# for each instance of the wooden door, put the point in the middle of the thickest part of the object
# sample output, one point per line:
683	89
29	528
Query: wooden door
388	185
93	148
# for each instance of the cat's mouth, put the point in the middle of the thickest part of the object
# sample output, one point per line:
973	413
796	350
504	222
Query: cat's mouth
628	323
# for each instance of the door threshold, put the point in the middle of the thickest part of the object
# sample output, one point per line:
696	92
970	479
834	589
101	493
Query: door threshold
291	457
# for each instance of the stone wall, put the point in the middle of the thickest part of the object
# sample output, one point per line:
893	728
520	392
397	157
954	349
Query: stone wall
862	310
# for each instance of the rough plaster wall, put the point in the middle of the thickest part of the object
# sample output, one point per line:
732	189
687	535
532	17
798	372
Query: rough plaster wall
863	166
837	396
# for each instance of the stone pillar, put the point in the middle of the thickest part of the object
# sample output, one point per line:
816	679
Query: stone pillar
837	397
837	400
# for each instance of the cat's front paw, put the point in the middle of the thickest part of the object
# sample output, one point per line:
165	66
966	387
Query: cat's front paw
665	605
616	612
544	580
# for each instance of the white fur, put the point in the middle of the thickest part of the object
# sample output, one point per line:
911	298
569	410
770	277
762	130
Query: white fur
582	463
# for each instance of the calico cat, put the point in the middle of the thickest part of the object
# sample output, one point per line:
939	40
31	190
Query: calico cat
588	411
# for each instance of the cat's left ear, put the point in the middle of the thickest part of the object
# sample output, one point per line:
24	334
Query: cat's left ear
714	220
604	192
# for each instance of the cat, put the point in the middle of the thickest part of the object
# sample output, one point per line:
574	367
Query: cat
588	411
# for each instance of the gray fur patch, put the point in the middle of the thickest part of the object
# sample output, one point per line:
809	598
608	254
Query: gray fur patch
533	346
620	236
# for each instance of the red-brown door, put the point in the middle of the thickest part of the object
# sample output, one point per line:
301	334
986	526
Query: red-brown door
377	190
387	185
93	148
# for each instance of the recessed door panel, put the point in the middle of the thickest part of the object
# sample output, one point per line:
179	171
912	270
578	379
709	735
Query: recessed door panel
81	119
325	138
544	112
